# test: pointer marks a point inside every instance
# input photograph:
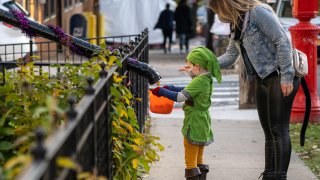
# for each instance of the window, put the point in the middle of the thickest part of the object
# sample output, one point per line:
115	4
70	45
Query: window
49	9
67	3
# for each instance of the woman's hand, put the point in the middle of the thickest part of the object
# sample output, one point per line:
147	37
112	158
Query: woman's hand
286	89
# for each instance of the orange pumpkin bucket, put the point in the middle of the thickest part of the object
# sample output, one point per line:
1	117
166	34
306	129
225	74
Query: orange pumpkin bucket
160	105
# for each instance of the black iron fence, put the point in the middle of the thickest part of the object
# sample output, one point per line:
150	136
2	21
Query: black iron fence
86	138
51	52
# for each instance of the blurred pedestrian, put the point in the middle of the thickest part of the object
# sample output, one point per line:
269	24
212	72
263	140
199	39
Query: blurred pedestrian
221	32
182	16
258	36
210	20
165	23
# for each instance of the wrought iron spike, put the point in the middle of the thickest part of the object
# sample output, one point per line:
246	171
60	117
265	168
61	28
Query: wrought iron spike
90	90
39	151
121	50
126	49
103	73
72	113
131	46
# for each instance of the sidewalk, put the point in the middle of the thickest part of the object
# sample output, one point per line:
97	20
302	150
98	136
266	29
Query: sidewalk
236	154
238	150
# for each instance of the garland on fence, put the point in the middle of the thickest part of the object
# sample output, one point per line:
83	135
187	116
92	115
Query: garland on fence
65	39
143	69
23	23
62	36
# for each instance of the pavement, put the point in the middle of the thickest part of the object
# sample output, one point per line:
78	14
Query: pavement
238	150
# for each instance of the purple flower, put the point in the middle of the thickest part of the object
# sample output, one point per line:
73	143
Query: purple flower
110	48
65	39
23	23
133	60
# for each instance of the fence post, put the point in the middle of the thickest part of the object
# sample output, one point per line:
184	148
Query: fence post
31	47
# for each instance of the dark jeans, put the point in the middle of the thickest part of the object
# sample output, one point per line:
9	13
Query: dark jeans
274	112
184	40
167	33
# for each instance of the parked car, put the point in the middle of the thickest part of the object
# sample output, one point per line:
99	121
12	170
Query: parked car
283	9
10	35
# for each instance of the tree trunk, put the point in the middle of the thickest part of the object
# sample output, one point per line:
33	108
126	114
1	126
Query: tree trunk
247	98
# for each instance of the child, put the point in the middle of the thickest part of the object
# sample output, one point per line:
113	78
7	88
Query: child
201	65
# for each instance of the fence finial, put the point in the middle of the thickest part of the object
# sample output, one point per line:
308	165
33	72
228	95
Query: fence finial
103	73
126	49
39	151
89	89
72	113
131	46
121	50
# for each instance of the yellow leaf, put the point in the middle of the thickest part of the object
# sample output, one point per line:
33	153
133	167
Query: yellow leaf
112	59
123	113
84	175
117	79
129	127
102	58
139	99
135	163
135	147
137	141
17	160
127	100
66	162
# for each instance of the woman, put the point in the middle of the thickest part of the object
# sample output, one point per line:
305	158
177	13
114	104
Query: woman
260	39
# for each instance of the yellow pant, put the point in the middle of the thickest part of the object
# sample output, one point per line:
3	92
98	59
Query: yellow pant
193	154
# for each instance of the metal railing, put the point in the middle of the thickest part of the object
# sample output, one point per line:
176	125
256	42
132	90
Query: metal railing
86	137
50	52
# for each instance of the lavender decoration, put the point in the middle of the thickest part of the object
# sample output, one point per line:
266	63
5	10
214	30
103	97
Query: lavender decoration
65	39
23	23
143	69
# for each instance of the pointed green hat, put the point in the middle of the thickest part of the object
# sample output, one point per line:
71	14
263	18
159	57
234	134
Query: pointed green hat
207	60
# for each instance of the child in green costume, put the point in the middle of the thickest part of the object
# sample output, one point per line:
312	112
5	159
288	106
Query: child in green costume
202	66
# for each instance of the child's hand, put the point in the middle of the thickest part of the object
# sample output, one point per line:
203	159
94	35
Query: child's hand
166	87
183	69
155	91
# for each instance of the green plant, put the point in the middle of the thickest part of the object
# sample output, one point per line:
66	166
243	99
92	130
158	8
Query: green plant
133	152
310	153
29	100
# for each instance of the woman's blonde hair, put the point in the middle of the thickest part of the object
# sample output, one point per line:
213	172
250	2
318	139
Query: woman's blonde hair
229	10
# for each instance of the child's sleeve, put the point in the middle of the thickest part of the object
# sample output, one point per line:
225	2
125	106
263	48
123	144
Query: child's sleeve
194	87
174	88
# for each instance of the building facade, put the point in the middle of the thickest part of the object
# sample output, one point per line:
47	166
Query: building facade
58	12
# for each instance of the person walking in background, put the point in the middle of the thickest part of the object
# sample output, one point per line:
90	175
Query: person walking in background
201	65
258	36
182	16
221	32
165	23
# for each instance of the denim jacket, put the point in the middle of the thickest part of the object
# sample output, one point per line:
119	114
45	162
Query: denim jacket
266	43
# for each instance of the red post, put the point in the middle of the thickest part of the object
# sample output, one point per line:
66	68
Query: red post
304	37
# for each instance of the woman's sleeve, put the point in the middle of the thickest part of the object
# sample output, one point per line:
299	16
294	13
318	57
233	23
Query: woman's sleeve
268	23
230	56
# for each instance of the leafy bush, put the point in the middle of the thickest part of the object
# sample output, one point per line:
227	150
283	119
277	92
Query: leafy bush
29	100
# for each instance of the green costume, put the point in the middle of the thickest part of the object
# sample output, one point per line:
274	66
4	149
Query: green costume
197	122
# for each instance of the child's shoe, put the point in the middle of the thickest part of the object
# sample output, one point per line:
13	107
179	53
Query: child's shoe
192	174
204	169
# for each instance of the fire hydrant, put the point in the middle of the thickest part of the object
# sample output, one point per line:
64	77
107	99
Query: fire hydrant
304	37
